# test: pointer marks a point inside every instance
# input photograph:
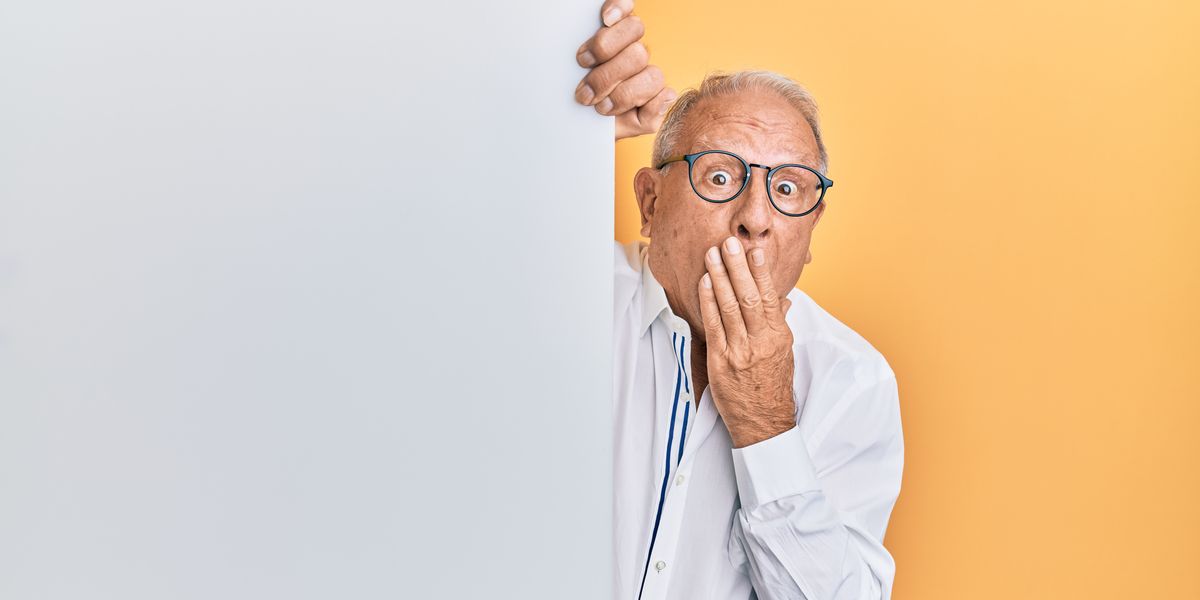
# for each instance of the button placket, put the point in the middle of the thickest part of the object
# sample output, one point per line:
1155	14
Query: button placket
658	582
669	535
662	559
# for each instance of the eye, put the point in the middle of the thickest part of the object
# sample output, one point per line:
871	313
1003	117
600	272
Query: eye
719	178
786	188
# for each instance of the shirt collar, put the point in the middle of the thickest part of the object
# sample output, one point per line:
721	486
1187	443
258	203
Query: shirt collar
654	298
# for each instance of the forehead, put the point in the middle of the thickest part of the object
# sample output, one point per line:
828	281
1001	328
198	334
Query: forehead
758	125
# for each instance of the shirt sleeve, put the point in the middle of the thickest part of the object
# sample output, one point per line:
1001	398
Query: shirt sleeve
811	526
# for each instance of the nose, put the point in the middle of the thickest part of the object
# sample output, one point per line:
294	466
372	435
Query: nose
752	218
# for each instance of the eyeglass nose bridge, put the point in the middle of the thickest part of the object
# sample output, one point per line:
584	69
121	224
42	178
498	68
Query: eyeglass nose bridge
750	175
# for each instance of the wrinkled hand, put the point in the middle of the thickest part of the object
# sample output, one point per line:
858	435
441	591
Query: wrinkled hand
621	82
750	364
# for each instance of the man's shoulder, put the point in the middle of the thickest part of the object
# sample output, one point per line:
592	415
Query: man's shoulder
817	332
627	268
850	390
627	258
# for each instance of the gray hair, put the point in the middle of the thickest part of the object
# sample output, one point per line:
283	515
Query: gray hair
719	84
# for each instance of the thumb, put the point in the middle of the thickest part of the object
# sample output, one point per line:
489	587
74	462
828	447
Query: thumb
647	118
786	305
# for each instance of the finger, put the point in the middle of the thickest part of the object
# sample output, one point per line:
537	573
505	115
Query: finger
647	118
727	302
632	92
710	314
744	287
762	278
612	10
600	81
609	41
787	305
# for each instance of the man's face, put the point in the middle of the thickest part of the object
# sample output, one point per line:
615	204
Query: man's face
762	128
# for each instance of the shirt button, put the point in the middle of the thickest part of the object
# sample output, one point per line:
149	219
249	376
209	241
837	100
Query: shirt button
679	479
660	565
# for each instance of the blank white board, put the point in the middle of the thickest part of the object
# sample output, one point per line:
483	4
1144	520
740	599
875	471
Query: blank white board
302	300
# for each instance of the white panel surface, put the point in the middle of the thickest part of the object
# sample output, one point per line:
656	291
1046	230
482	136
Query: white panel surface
302	300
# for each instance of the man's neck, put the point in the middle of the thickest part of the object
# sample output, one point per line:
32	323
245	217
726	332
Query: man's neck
699	368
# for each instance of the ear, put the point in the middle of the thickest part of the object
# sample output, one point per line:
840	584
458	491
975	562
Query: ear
645	187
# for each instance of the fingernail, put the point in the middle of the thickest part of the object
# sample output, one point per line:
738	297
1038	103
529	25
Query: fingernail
611	16
714	255
587	59
671	97
584	93
732	246
706	281
605	105
756	255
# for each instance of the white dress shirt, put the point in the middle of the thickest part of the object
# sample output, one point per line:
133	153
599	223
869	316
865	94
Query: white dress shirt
799	515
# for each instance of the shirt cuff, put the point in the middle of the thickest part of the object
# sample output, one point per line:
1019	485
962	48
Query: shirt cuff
774	468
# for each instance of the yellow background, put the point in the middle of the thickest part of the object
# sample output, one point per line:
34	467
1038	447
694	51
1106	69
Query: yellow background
1015	227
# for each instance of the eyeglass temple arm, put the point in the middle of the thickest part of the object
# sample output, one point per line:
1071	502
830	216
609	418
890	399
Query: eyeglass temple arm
670	160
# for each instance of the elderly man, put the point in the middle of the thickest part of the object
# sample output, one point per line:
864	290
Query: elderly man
758	444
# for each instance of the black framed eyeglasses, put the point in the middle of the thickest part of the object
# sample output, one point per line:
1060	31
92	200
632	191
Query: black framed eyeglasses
719	176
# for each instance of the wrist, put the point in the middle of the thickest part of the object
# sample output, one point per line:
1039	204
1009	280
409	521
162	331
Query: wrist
749	434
